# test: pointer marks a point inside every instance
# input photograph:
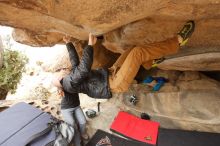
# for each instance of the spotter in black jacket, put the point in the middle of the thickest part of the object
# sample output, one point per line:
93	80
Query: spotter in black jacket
82	79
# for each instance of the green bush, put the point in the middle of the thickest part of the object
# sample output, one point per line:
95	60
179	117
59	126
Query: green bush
11	71
39	92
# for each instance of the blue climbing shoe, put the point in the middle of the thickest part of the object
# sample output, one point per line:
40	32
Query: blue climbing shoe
148	79
160	82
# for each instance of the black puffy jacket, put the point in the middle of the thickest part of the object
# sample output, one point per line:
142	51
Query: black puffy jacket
82	79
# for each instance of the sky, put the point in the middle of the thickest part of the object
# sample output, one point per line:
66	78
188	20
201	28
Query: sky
33	53
5	30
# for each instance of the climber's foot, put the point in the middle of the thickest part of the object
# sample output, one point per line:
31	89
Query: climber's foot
186	32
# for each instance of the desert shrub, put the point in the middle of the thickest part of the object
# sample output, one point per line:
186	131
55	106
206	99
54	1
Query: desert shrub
11	71
39	92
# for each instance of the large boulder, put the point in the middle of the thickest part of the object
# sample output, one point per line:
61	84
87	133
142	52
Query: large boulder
191	102
202	59
159	28
76	18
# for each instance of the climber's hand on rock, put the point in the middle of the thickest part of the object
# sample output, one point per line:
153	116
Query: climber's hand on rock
113	70
60	92
92	39
67	39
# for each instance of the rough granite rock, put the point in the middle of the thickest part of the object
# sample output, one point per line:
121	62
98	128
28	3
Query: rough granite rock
202	59
192	103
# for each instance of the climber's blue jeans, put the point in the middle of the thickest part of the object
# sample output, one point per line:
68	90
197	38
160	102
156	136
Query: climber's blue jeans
74	117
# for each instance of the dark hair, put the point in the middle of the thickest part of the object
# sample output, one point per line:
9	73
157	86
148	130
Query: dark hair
100	37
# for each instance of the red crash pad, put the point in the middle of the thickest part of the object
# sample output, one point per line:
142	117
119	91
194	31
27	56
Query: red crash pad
135	128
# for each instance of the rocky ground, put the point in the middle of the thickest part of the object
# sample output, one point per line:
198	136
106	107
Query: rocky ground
189	101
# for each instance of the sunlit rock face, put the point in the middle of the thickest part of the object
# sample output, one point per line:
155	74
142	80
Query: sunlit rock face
125	24
194	58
